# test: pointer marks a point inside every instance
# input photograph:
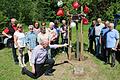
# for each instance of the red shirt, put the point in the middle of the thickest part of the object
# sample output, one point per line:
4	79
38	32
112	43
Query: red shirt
6	30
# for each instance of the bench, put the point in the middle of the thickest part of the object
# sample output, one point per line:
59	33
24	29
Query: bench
1	39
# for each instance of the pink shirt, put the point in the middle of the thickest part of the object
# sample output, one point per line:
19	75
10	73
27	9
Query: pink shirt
36	30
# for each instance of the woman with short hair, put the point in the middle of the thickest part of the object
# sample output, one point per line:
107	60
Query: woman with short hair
31	41
19	41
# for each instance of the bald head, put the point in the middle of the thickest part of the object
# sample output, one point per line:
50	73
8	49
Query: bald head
64	22
13	20
51	24
99	20
111	26
44	43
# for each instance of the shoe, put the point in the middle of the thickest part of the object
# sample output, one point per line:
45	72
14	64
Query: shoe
63	52
24	64
49	74
105	63
23	70
113	65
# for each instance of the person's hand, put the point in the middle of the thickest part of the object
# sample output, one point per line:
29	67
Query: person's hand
114	49
65	44
30	49
33	71
100	41
9	36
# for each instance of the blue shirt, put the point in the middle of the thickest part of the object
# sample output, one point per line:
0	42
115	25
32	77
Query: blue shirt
56	30
31	40
91	32
111	38
104	30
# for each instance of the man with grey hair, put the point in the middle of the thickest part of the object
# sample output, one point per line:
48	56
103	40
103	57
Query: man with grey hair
39	59
8	32
112	39
98	29
103	33
64	35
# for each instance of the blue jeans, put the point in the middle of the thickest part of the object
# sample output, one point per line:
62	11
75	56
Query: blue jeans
97	46
49	53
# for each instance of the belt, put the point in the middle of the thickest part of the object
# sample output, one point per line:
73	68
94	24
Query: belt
97	36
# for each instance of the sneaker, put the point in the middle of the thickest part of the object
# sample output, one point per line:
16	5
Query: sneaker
113	65
63	51
24	64
48	74
105	63
23	71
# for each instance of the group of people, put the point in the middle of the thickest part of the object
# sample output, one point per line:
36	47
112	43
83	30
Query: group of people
105	38
39	42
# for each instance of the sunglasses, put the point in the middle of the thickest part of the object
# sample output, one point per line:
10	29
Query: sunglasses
19	27
31	28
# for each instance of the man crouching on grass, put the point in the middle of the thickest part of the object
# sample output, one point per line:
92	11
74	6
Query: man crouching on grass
39	59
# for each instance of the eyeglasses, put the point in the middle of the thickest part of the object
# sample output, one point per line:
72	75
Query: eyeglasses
31	28
19	27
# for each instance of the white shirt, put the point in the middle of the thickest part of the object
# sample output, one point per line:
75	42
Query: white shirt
98	29
41	37
20	39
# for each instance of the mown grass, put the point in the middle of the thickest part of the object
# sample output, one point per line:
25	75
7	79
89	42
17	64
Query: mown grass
10	71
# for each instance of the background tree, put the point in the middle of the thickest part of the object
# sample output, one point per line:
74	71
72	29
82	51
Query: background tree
26	11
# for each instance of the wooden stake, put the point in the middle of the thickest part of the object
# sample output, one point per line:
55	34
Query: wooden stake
81	39
77	42
69	39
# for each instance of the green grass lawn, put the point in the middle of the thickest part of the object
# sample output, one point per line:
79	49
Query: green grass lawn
10	71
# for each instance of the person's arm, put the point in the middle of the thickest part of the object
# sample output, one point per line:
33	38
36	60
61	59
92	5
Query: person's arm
116	44
53	36
62	31
101	36
27	41
57	45
38	38
5	34
33	68
117	41
100	40
15	40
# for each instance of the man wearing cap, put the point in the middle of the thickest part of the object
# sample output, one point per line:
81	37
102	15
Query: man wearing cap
8	32
31	41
